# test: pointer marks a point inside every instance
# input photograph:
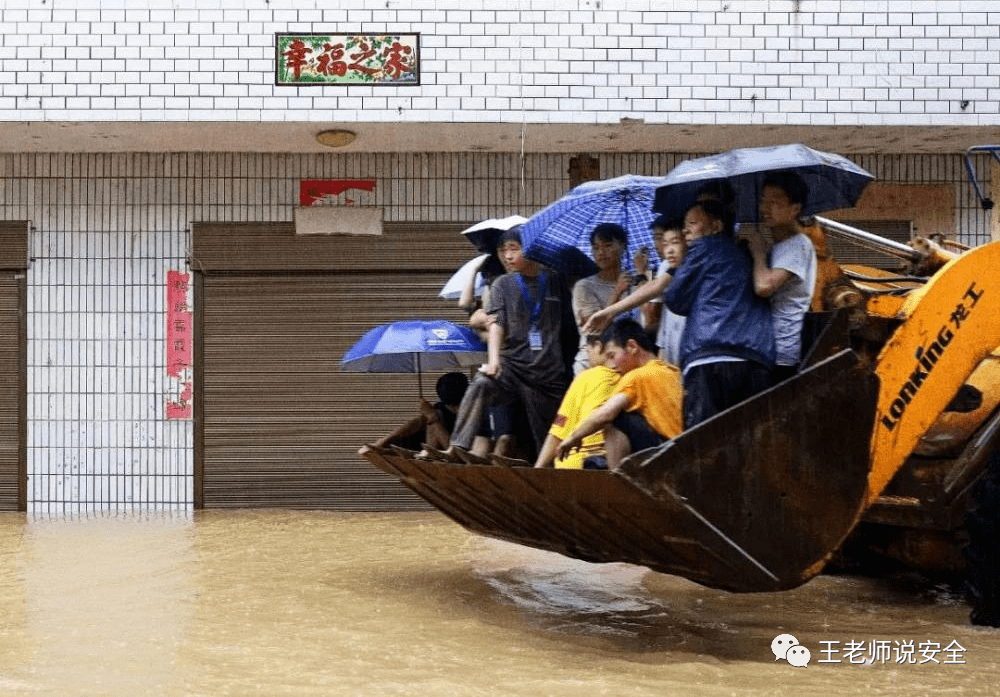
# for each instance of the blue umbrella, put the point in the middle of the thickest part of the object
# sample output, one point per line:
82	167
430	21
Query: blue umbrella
564	226
410	346
573	261
832	181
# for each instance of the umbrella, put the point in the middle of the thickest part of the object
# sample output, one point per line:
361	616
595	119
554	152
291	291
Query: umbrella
572	262
565	225
452	290
485	235
832	181
410	346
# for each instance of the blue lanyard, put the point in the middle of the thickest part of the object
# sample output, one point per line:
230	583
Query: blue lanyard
536	311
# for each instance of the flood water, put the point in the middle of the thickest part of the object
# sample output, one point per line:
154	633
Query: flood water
313	603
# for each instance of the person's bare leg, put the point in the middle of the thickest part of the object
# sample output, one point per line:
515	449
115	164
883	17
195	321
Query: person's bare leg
481	446
617	446
504	446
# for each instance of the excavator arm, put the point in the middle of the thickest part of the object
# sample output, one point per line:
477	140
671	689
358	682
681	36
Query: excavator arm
947	328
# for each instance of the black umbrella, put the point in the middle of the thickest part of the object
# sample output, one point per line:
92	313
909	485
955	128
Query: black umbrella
737	177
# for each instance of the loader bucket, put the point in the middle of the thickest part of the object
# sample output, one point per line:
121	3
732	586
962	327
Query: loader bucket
755	499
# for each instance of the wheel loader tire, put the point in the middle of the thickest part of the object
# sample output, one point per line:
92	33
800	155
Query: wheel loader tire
982	553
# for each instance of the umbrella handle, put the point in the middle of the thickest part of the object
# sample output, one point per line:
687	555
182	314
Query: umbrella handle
420	380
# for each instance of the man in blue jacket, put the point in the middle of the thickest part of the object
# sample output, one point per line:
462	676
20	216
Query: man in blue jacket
727	348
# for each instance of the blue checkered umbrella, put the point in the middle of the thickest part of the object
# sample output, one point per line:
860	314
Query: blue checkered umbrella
738	175
568	222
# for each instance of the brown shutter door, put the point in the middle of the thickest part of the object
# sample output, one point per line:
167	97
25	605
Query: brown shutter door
13	366
279	423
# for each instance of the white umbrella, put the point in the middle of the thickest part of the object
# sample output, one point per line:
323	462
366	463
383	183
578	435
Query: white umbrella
485	234
459	281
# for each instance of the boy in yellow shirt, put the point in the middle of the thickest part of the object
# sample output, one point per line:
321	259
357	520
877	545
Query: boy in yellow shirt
588	391
645	408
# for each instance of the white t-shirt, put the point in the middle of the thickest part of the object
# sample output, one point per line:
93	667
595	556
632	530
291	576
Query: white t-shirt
790	303
668	336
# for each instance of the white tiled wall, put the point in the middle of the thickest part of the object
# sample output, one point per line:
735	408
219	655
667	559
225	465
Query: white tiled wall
811	62
107	228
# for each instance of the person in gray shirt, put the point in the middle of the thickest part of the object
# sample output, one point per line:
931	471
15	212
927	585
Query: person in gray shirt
532	337
785	273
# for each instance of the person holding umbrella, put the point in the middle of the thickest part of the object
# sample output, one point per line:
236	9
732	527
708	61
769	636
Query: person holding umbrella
608	241
531	339
645	292
492	268
485	236
654	289
785	273
727	348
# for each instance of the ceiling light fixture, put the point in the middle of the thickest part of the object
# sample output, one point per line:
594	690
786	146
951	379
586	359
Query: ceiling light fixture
336	138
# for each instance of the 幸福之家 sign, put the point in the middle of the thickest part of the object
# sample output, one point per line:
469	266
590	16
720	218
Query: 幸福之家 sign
345	59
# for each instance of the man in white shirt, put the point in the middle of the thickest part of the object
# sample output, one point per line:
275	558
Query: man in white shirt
787	272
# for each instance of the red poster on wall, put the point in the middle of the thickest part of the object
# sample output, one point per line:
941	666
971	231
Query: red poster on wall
179	345
317	192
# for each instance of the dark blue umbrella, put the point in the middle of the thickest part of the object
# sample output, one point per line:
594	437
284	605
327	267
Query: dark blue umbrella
410	346
833	181
563	228
572	261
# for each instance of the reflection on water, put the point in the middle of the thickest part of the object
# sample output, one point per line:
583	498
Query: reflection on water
271	602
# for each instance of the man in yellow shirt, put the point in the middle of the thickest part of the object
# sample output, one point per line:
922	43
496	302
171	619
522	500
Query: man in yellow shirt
645	408
588	391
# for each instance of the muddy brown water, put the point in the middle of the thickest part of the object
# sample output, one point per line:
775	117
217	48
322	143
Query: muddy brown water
312	603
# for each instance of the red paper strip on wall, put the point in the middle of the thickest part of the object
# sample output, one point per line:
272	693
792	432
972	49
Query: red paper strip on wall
179	344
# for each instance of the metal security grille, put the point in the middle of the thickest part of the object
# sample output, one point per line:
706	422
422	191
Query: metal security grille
106	228
278	424
972	223
99	441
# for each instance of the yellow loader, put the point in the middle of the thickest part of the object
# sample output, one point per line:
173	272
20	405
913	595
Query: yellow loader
885	445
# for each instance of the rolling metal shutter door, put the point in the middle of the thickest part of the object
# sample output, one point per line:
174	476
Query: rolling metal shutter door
13	366
278	424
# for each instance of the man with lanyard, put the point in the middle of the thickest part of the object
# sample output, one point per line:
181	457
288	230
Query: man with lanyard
532	340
